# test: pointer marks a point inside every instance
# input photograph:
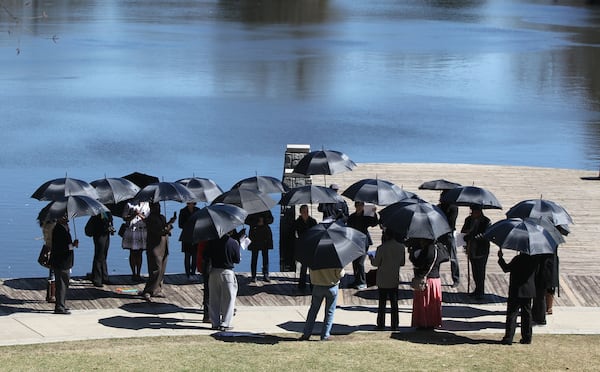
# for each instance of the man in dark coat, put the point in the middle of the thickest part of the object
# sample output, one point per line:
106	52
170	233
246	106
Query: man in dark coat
189	249
451	212
521	290
361	222
334	211
100	228
261	238
61	261
301	224
478	248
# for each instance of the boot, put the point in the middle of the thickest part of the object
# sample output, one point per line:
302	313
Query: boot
51	292
549	303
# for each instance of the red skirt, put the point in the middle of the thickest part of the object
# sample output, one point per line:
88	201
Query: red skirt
427	305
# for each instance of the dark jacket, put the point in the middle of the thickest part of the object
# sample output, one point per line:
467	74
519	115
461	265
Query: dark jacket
157	227
61	256
300	226
522	270
546	275
99	226
222	253
261	236
473	229
422	259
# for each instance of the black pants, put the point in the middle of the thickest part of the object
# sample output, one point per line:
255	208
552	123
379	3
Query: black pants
190	257
512	311
303	276
478	269
384	295
99	267
62	284
453	258
358	266
265	262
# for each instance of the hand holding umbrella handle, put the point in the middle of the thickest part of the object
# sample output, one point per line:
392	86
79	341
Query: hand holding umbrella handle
500	254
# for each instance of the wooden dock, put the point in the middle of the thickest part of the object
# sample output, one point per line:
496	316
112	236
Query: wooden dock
579	277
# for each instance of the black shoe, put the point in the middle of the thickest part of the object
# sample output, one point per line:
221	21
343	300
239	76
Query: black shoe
253	280
267	279
62	311
304	338
206	319
99	285
506	341
107	282
525	341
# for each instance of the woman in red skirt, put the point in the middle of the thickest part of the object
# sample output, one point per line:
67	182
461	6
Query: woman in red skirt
426	257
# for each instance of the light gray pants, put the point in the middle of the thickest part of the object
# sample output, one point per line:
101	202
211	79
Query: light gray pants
223	288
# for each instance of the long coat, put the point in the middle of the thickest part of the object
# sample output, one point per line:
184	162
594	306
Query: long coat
522	270
61	256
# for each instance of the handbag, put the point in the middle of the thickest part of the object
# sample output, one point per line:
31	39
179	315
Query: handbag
419	283
122	229
44	256
371	277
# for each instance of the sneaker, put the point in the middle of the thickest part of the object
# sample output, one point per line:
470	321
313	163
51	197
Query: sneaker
62	311
361	286
225	329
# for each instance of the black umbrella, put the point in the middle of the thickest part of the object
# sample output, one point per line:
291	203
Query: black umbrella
324	162
141	179
471	196
115	190
540	208
72	206
376	191
163	191
212	222
523	235
309	194
252	201
59	188
205	189
264	184
440	184
415	218
333	245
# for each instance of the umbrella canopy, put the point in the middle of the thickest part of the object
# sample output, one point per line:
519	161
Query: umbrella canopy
376	191
324	162
264	184
440	184
141	179
415	218
523	235
212	222
163	191
59	188
309	194
471	196
252	201
114	190
72	206
205	189
325	246
540	208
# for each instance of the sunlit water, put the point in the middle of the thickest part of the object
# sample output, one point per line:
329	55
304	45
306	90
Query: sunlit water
217	89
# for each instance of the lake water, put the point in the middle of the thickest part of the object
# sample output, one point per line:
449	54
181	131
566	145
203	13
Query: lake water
217	89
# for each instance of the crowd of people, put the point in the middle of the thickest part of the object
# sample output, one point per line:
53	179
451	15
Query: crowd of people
533	279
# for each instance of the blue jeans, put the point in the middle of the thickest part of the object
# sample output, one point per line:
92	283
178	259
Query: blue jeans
319	293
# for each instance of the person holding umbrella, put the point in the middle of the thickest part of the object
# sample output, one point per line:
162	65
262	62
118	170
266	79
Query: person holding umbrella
100	228
451	212
61	261
478	248
361	222
135	235
301	224
157	250
334	211
261	238
189	249
521	290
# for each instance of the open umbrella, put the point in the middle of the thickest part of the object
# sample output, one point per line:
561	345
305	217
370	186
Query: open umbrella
471	196
252	201
415	218
205	189
333	245
376	191
264	184
540	208
309	194
163	191
72	206
115	190
141	179
440	184
59	188
324	162
523	235
212	222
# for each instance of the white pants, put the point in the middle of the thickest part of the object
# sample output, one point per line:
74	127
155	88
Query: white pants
223	288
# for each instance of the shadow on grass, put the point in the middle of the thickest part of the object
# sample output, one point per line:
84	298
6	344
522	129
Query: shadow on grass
137	323
439	338
250	337
156	308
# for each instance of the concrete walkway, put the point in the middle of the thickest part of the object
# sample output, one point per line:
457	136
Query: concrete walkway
143	320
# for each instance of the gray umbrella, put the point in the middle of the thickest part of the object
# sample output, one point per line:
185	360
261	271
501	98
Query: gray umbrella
376	191
212	222
471	196
266	184
163	191
59	188
540	208
205	189
523	235
115	190
252	201
415	218
439	184
333	245
310	194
